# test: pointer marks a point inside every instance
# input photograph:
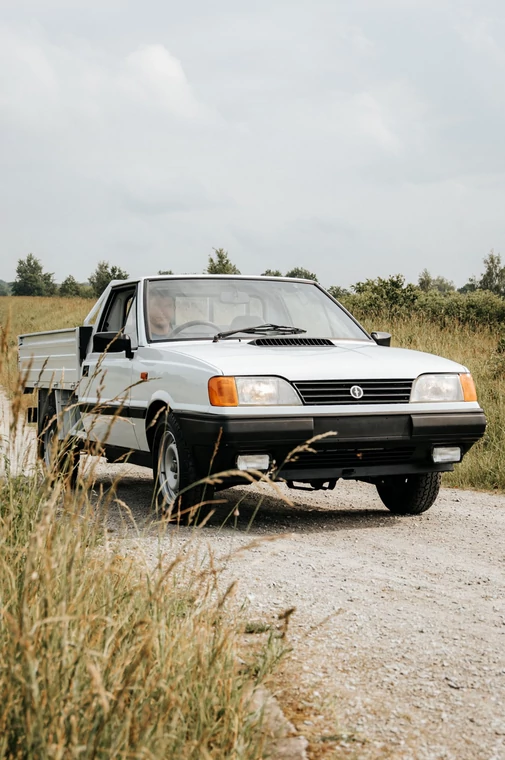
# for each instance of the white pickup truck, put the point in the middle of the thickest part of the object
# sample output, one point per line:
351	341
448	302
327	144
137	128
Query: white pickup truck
196	375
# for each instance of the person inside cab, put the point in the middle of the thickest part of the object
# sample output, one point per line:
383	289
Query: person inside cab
161	314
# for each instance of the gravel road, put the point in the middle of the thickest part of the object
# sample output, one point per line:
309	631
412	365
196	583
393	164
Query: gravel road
398	638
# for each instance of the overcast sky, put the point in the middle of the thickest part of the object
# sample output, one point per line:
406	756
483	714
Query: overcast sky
357	139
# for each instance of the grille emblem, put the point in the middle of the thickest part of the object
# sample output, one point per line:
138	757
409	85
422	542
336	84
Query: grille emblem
356	392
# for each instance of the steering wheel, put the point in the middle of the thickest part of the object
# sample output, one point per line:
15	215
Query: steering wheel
193	322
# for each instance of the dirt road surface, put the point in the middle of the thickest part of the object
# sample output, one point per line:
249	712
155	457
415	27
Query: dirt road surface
398	638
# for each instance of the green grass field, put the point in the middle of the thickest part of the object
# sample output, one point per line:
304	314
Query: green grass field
483	467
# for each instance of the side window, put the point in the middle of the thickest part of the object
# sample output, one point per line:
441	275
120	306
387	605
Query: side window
119	310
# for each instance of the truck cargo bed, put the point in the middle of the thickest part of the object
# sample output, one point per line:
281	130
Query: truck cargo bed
52	359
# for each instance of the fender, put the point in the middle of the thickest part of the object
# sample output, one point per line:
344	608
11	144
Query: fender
158	400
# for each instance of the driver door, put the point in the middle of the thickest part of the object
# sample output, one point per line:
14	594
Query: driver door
107	377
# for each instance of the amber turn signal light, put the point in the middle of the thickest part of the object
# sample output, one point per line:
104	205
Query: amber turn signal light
223	391
468	385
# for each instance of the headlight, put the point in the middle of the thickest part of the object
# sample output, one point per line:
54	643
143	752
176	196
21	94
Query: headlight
252	391
437	388
266	391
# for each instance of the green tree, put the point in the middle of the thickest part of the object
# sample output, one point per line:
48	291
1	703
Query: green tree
390	294
103	274
70	288
31	280
165	271
469	287
493	277
4	288
337	292
426	283
221	264
272	273
304	274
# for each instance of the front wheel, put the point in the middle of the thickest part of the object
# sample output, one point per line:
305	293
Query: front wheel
176	491
409	494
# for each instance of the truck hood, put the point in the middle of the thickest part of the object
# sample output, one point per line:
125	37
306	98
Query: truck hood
343	361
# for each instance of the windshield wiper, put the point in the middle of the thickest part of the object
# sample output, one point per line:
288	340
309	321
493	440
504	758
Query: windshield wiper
261	330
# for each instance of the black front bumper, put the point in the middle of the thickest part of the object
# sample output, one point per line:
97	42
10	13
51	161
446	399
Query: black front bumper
348	446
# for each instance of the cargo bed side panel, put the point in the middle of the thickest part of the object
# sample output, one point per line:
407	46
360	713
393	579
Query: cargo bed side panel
50	359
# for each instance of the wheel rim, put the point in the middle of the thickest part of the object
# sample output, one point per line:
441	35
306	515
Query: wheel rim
169	467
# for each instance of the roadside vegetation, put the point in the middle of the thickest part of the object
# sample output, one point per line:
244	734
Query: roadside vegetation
482	350
106	651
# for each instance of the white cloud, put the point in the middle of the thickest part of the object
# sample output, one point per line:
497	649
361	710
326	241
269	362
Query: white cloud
29	87
55	86
371	120
156	77
479	32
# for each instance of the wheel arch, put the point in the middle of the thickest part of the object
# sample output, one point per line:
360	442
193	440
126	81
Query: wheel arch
157	407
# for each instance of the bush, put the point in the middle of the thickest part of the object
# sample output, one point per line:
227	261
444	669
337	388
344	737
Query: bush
476	308
391	296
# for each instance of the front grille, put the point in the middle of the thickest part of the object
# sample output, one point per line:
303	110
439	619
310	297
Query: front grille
292	342
339	391
327	458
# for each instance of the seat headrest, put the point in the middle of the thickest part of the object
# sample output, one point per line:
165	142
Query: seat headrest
244	320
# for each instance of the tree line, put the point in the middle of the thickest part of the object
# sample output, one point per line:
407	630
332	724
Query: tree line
32	280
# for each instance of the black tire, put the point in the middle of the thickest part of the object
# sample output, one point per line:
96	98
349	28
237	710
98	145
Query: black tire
409	494
60	458
176	492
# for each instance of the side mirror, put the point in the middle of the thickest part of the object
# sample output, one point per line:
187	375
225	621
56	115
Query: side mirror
381	338
112	343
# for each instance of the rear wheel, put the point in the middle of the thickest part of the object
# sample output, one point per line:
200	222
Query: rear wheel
60	458
409	494
175	492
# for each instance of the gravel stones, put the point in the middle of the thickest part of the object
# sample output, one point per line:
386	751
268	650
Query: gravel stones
400	621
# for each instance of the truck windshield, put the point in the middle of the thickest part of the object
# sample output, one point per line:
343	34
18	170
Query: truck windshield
193	308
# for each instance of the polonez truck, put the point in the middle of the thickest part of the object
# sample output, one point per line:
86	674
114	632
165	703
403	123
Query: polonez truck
205	374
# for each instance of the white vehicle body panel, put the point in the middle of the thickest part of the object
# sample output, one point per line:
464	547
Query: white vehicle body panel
50	358
346	361
109	386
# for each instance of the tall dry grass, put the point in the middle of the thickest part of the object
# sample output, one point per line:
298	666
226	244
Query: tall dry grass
24	314
108	654
482	352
